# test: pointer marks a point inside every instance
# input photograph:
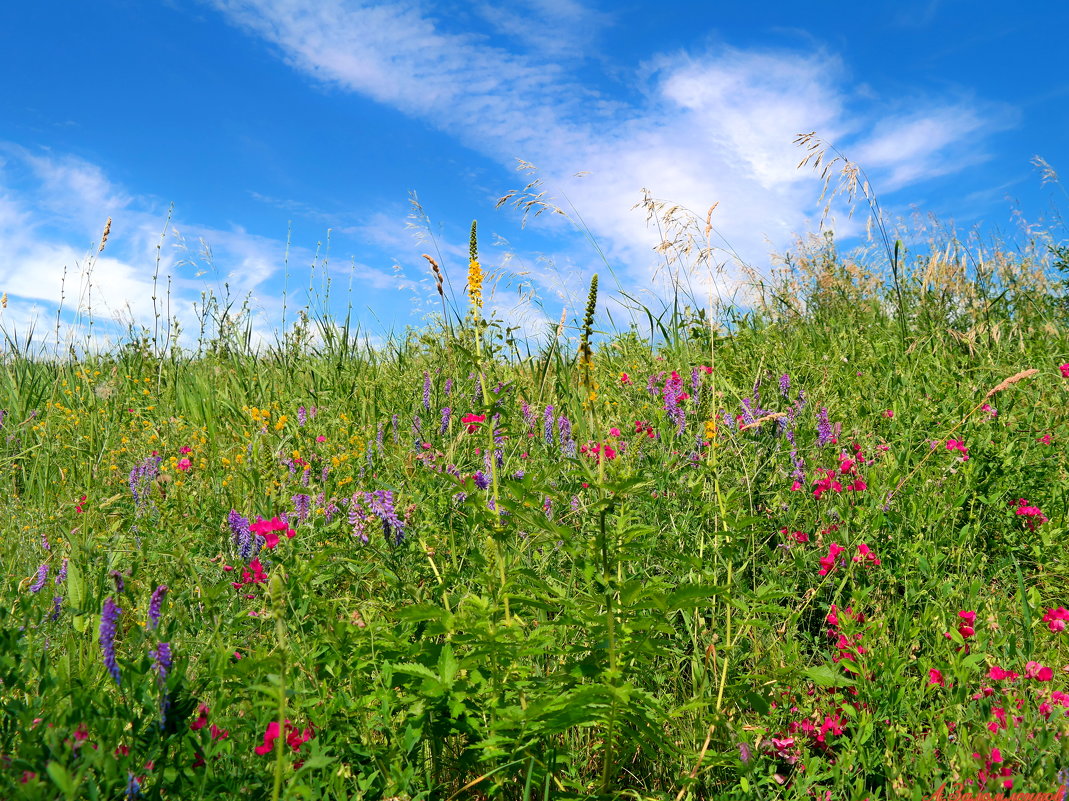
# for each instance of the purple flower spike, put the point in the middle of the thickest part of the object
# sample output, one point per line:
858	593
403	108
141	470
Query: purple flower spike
109	617
42	577
154	605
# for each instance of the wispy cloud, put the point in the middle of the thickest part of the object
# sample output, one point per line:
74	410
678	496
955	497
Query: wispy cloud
53	208
714	125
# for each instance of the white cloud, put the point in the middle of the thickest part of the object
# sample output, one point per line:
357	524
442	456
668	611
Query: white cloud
53	209
711	127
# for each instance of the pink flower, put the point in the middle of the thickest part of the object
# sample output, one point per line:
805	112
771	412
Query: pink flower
614	432
1045	439
625	378
1034	670
294	737
1056	618
935	677
864	553
1065	370
185	449
184	464
888	413
1001	674
257	576
958	445
472	421
827	563
270	735
268	530
202	718
321	438
1032	514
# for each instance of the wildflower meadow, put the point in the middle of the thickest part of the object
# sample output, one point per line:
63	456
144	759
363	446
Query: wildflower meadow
809	546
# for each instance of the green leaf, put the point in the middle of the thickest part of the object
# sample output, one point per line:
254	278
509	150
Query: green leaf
62	778
75	585
827	676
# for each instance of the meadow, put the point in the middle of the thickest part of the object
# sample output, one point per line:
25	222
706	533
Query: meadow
814	548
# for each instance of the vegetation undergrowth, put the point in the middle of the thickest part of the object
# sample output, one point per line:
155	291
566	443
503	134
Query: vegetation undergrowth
811	550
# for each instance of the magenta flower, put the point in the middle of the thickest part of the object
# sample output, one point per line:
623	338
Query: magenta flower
1034	670
1056	618
958	445
1001	674
827	563
864	553
936	677
1032	514
184	464
1065	370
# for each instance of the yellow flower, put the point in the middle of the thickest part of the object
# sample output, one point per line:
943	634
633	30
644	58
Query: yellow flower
475	284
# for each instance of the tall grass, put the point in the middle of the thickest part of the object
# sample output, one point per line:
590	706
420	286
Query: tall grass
603	573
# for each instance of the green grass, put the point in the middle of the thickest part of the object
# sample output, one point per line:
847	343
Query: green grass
634	627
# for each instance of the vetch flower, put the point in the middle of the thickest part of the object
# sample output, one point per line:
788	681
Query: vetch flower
109	616
42	577
154	604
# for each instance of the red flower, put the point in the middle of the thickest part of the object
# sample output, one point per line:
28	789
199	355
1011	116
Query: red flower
472	421
202	718
827	563
268	530
1056	618
294	737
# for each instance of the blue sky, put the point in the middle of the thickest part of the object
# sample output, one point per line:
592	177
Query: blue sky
272	121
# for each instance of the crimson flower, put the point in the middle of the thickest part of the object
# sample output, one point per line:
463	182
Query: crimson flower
472	421
1056	618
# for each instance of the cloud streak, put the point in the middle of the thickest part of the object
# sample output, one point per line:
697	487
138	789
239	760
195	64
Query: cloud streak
710	126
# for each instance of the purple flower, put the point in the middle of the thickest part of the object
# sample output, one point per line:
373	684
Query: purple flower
57	607
448	387
481	479
109	616
242	535
61	575
161	660
564	429
302	506
824	433
302	416
528	415
381	504
447	413
42	576
117	577
548	427
426	390
357	516
141	478
785	386
154	604
44	542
